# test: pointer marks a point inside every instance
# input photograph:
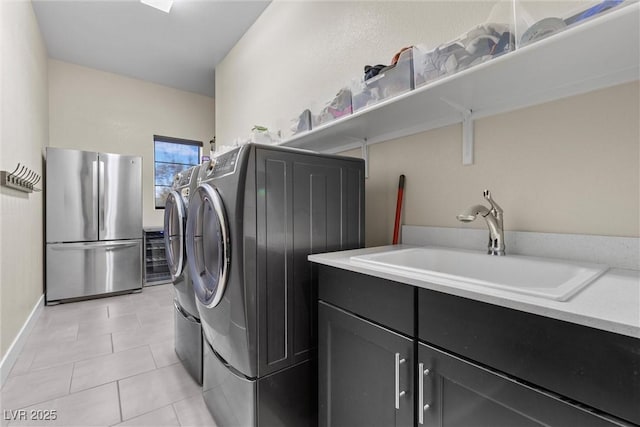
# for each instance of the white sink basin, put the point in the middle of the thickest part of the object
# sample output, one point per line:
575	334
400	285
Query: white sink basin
525	275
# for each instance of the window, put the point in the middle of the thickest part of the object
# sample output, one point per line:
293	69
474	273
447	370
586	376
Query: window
171	155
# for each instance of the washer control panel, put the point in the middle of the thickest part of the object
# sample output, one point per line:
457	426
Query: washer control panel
183	178
224	164
185	195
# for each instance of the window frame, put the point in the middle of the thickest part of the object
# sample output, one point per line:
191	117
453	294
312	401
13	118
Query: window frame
171	140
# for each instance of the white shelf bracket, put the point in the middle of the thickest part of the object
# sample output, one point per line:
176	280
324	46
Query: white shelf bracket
365	156
467	131
467	138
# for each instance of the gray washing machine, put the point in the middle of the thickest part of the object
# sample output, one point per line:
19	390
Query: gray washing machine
188	331
257	214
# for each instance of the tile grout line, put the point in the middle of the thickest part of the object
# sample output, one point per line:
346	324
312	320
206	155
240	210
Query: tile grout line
119	400
88	359
153	410
75	361
96	357
32	370
128	376
73	368
176	412
187	396
40	402
118	379
152	356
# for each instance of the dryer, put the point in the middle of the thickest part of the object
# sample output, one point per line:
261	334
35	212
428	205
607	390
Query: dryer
257	214
188	331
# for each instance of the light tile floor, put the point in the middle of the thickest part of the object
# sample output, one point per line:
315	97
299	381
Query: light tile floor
105	362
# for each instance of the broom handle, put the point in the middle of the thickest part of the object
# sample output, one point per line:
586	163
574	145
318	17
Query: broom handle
396	226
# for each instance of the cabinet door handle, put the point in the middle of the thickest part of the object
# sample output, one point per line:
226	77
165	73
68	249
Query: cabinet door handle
422	372
398	393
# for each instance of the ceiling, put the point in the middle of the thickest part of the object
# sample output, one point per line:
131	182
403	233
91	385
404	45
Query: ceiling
180	49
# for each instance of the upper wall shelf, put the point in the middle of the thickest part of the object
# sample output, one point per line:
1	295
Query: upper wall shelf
596	54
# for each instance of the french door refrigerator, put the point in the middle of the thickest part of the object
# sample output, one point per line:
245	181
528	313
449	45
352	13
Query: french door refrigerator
93	224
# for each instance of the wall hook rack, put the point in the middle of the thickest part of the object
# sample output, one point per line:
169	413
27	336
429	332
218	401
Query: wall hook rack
22	178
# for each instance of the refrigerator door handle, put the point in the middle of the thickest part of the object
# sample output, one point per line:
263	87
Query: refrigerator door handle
106	245
94	195
101	201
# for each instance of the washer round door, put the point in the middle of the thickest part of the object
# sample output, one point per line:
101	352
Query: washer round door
174	225
207	244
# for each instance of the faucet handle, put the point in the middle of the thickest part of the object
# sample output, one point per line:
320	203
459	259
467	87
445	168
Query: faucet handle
494	205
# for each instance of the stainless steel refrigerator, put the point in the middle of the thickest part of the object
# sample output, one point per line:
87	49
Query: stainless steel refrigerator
93	224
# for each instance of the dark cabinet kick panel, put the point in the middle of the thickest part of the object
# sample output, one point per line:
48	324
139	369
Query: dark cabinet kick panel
598	368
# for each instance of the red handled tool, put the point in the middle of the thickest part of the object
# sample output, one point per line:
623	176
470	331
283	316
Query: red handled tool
396	227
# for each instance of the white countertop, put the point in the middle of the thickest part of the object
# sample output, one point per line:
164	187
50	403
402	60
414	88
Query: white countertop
611	303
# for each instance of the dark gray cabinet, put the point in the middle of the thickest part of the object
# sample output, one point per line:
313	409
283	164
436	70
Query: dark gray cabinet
366	372
597	368
454	392
458	351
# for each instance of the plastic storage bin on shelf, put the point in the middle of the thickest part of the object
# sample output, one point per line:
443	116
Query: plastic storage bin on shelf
340	106
482	43
536	20
391	81
301	124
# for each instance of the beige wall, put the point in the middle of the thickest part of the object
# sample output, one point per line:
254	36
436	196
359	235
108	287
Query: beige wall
298	54
99	111
24	133
570	166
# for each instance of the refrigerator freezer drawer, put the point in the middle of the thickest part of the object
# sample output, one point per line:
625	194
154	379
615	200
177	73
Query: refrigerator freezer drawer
85	269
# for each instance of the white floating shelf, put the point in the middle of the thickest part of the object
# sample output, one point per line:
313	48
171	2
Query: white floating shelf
593	55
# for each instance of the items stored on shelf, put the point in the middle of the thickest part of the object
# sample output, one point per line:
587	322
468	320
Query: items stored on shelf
338	107
383	82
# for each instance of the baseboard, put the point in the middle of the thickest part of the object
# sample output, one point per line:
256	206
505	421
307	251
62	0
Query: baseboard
16	346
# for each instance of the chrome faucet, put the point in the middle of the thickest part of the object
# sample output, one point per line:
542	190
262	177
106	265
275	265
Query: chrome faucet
494	222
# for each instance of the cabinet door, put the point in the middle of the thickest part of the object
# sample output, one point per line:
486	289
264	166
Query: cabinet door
454	392
365	372
587	365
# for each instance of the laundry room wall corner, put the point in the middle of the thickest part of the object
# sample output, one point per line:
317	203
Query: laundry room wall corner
95	110
24	130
